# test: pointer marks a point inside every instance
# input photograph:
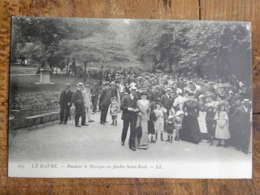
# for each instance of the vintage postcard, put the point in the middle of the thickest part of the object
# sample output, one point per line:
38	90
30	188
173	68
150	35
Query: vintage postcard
130	98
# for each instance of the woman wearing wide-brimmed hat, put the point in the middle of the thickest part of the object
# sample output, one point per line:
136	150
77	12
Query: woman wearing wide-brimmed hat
159	122
190	130
143	105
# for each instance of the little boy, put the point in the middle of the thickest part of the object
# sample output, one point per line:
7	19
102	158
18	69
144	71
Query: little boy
170	128
178	124
114	109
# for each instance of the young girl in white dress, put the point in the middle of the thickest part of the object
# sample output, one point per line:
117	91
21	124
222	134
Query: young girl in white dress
222	125
159	122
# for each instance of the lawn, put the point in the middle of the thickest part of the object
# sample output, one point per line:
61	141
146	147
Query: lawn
24	79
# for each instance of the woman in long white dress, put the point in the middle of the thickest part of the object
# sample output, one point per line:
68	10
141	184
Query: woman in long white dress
87	102
143	117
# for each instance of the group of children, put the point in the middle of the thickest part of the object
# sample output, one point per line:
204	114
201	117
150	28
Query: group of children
162	121
213	123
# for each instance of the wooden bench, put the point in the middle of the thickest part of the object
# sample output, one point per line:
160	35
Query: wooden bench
33	121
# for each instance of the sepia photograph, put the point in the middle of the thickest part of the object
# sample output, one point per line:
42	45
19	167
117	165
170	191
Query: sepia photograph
130	98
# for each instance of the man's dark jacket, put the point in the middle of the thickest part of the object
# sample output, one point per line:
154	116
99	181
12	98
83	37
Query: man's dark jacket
127	102
77	98
166	101
65	98
105	97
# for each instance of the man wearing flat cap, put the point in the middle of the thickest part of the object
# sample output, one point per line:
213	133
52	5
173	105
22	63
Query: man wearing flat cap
166	100
104	102
78	101
65	104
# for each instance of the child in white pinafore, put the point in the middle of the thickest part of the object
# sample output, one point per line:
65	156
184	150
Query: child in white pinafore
159	122
222	125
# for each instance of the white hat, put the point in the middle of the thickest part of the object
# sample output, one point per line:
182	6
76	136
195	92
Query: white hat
241	84
80	84
179	91
246	101
201	96
133	88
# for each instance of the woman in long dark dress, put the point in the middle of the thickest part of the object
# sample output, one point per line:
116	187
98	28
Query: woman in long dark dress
246	130
234	129
211	124
240	127
190	127
151	130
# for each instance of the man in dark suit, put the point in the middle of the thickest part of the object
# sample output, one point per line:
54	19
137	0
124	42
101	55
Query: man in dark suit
104	102
94	97
114	90
65	104
129	117
77	99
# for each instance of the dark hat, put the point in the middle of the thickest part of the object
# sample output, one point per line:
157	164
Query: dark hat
143	92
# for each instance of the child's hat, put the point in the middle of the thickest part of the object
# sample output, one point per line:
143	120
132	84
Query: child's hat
179	91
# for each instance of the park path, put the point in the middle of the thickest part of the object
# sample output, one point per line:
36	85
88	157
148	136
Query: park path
102	142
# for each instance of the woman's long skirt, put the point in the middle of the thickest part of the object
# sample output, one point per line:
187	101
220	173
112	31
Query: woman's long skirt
142	132
190	129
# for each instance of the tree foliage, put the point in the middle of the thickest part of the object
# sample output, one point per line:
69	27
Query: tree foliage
46	34
204	48
200	47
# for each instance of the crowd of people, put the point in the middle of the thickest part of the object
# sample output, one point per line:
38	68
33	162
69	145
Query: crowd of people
163	107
